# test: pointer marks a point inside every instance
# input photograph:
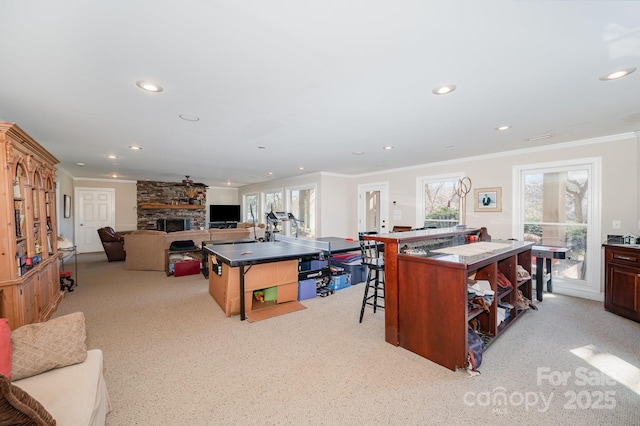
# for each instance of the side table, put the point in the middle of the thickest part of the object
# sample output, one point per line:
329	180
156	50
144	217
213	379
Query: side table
548	253
65	275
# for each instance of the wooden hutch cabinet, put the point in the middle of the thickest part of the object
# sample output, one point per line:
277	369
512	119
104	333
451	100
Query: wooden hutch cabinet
426	296
622	280
29	259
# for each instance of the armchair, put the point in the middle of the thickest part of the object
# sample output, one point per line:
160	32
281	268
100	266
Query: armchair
113	243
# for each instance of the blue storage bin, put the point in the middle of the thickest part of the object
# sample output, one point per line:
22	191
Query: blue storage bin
338	282
357	270
306	289
318	264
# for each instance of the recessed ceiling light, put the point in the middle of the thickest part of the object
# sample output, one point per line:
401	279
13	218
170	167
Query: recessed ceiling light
503	128
111	156
535	138
270	173
135	147
301	168
388	147
149	86
189	117
114	175
80	164
262	147
617	74
443	90
357	152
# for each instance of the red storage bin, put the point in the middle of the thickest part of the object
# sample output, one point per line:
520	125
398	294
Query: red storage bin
186	267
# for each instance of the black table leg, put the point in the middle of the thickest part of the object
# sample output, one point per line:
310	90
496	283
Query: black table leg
242	307
549	285
539	277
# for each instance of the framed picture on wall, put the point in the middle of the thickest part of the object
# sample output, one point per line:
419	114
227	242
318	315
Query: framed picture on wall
67	206
488	199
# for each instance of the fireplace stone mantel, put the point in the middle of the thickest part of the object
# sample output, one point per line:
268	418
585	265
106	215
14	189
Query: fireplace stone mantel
159	206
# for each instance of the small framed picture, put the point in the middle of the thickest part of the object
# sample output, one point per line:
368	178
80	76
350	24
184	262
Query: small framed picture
67	206
488	199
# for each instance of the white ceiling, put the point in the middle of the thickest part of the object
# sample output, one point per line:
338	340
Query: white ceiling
310	81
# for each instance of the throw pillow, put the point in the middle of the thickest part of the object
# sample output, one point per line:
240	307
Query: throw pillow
5	347
41	347
18	407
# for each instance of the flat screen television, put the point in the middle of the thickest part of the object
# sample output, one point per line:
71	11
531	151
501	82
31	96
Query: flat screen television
224	213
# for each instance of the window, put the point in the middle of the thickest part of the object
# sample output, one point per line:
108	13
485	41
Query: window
555	206
272	202
438	204
302	204
250	205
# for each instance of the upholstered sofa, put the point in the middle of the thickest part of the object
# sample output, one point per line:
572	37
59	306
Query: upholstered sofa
54	378
146	248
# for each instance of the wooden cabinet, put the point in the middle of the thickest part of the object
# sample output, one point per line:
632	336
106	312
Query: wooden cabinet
29	260
622	280
429	312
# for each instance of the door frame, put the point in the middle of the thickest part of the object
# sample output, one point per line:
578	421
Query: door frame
383	188
590	287
76	209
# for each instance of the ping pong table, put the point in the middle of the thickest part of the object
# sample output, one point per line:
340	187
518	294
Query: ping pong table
245	255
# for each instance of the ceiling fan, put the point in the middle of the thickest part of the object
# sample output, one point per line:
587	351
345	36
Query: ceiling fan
187	181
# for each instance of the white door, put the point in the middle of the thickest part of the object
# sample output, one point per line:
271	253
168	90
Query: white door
373	208
94	209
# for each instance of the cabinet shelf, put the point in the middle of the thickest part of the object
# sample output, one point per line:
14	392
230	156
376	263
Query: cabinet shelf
158	206
474	313
504	293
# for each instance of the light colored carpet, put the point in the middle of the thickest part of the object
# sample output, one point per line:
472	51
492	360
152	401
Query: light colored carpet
173	358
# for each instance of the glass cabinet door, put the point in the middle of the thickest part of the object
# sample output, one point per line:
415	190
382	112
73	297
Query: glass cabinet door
20	210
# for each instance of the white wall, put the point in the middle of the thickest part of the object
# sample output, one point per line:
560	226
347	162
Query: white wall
126	203
619	187
64	185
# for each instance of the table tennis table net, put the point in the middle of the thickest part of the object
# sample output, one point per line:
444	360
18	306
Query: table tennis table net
304	242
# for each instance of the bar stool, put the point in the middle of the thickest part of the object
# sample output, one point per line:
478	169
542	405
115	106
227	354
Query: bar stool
375	275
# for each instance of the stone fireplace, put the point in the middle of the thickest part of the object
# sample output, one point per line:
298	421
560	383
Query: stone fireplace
167	204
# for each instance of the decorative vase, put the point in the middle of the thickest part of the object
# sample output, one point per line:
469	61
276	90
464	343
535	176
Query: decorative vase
191	201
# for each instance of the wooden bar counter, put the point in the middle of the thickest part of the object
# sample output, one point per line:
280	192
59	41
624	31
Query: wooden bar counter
426	277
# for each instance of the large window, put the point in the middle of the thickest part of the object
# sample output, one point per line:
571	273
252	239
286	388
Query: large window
555	206
272	202
302	204
250	206
439	205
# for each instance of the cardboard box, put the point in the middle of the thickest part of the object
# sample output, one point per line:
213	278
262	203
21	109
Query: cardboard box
186	267
288	292
306	289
